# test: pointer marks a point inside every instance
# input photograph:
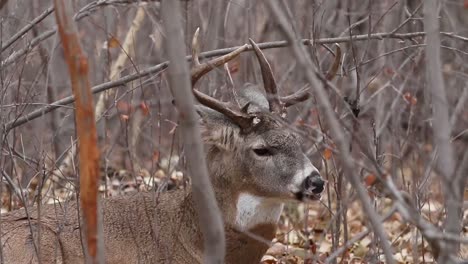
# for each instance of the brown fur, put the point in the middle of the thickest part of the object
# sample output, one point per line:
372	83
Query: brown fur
163	227
130	233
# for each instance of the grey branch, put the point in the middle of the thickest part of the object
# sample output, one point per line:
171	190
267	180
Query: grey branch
28	27
179	81
452	187
209	54
336	131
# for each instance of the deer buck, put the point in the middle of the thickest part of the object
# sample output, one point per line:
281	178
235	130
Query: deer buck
255	163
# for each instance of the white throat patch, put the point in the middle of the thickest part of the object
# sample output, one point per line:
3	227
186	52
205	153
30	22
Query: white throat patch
253	210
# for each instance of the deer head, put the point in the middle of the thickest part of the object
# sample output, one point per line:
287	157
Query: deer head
267	156
251	148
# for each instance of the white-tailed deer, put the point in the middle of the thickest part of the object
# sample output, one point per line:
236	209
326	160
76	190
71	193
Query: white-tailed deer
255	162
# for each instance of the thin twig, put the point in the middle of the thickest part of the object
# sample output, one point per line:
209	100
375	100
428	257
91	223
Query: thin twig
28	27
356	238
119	63
267	45
83	12
31	45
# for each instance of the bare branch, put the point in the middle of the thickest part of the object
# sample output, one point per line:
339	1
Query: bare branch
338	136
119	63
179	79
86	130
208	54
85	11
31	45
357	237
453	189
24	30
304	93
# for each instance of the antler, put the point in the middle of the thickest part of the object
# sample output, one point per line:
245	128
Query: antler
269	82
276	104
336	64
198	70
297	97
303	94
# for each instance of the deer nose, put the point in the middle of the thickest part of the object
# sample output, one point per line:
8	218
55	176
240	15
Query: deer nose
314	183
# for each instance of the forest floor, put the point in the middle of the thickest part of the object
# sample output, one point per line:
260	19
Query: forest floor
307	233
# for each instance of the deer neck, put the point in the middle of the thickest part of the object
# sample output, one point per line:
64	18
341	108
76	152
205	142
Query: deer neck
253	211
241	209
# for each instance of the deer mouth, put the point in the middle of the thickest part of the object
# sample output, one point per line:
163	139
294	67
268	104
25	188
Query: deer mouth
307	185
307	196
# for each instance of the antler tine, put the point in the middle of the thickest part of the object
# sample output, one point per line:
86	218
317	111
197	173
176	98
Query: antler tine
336	64
303	94
241	119
195	48
201	69
268	80
297	97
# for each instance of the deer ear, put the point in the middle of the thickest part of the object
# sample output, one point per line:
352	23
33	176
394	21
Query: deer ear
217	129
252	99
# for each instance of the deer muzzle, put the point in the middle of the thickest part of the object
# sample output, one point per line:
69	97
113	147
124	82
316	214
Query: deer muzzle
311	188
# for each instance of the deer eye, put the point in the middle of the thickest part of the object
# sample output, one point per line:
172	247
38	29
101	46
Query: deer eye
262	152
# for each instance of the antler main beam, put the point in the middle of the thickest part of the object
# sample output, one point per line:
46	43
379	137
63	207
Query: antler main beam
198	70
269	82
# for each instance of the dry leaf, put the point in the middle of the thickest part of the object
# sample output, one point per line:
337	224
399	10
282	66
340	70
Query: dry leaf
124	107
113	43
370	179
156	156
144	108
327	154
234	66
410	99
389	71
